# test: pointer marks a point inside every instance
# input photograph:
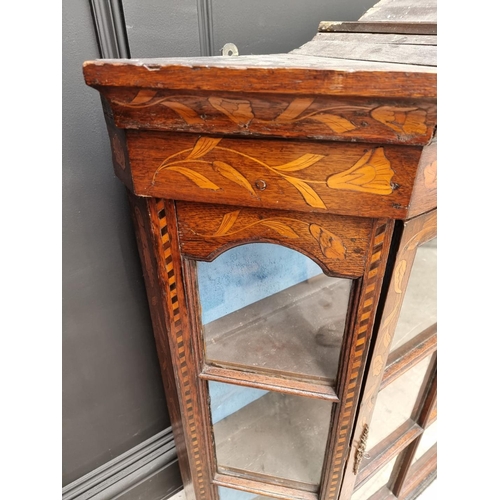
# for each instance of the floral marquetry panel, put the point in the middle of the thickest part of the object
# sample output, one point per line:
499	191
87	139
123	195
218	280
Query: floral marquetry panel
321	177
338	244
396	120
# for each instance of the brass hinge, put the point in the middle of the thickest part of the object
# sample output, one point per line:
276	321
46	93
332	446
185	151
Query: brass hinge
360	452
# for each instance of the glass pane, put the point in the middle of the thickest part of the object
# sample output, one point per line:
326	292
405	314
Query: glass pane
419	310
269	309
429	439
268	433
379	480
395	403
230	494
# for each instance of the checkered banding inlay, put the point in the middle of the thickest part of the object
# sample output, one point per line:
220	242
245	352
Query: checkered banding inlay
351	388
188	390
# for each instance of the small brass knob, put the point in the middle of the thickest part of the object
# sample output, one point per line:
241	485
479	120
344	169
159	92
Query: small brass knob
260	184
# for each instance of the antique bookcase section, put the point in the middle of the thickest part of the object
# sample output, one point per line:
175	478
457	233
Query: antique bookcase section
275	386
402	370
314	157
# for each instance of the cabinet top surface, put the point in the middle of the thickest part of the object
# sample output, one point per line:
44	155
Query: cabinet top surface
389	52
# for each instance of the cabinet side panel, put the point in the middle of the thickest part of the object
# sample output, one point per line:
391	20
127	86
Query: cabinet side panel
166	247
145	234
424	196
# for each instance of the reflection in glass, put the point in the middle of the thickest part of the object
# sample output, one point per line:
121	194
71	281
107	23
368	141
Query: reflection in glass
230	494
270	309
429	439
419	309
268	433
379	480
395	403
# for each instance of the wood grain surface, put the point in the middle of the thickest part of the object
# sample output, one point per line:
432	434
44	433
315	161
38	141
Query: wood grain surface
424	196
339	245
281	73
152	263
423	11
355	351
405	121
379	26
418	54
349	179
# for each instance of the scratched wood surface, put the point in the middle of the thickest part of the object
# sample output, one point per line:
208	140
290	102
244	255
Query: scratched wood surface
371	37
380	27
423	11
280	73
366	50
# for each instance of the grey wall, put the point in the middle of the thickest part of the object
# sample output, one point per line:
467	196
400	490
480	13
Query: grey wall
162	28
112	394
266	27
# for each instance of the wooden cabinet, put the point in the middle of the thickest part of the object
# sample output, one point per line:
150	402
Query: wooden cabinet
285	210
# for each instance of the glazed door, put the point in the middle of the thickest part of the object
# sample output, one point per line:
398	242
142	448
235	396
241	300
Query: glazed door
394	447
281	306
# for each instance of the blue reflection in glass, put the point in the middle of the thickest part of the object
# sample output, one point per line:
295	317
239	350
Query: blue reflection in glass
230	494
238	278
246	274
226	399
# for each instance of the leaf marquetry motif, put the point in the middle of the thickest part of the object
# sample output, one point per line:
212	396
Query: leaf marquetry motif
227	223
203	146
300	163
200	180
229	172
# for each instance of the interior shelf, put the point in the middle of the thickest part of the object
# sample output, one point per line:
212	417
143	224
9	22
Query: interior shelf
275	435
296	333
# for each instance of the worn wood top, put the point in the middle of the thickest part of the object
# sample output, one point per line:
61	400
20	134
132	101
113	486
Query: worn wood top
281	73
356	47
391	52
424	11
392	31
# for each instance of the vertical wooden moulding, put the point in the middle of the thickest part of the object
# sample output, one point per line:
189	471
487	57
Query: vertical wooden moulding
166	252
151	261
354	359
416	231
193	302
